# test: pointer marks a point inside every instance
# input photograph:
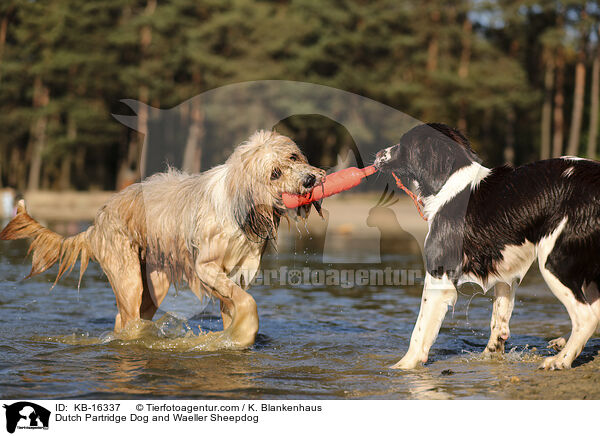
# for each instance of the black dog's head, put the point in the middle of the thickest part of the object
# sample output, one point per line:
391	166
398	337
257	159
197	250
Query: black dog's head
427	155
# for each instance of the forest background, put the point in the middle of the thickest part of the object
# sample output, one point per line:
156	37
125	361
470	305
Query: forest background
519	77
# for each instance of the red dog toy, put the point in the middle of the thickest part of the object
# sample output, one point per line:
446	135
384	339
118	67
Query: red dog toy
340	181
334	183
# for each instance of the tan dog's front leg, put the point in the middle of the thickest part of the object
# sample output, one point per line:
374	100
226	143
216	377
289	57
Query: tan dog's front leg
240	320
225	315
438	294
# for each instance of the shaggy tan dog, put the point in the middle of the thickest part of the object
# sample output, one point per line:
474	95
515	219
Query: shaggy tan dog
209	230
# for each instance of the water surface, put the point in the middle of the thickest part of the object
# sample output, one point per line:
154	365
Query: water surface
315	341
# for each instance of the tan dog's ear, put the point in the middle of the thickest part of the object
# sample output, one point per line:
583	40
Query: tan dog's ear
257	221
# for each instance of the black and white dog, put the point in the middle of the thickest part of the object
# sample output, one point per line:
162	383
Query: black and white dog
487	226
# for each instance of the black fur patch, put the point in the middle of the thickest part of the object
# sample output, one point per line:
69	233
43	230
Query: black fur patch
509	207
429	154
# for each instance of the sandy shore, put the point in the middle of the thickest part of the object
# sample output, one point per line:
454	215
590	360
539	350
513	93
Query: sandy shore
347	214
66	205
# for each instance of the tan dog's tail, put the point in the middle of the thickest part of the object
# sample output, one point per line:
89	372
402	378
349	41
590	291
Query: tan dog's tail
48	247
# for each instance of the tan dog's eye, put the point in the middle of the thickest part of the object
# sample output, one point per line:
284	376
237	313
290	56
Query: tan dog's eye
275	174
294	157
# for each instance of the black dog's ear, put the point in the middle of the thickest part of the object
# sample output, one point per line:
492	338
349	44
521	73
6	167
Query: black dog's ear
458	139
443	248
430	162
443	167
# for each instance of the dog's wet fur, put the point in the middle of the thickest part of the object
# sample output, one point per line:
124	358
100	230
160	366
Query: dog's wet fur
487	226
209	230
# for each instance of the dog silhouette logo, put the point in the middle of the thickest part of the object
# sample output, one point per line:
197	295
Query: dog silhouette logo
26	415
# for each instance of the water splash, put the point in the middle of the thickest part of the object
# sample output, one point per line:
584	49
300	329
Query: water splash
516	354
171	332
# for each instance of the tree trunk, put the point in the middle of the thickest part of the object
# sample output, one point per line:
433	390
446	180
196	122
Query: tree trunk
433	46
509	150
65	165
3	29
145	40
3	158
41	98
192	155
65	172
18	176
46	174
547	107
595	90
133	165
577	113
13	176
135	161
80	167
559	100
142	122
488	117
463	70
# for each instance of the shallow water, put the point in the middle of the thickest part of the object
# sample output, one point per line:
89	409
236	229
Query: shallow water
315	341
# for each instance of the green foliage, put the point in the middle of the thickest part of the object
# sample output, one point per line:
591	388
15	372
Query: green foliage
417	56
